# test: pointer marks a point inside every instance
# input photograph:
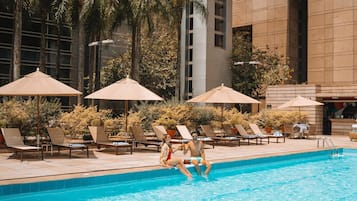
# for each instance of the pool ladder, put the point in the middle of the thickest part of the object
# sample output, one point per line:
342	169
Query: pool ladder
329	144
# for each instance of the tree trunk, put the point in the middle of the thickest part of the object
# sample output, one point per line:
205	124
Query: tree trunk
98	58
178	64
43	42
58	55
91	67
81	53
135	52
16	67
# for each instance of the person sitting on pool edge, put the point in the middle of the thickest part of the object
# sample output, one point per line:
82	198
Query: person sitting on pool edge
166	159
197	154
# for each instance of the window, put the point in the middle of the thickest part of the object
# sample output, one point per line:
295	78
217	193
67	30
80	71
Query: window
190	86
191	23
189	70
5	38
219	25
190	43
190	54
219	9
218	40
191	8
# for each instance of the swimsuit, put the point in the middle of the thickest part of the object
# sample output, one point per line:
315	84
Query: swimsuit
198	159
169	155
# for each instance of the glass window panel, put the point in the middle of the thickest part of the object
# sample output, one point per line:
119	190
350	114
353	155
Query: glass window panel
5	54
218	40
5	38
65	45
31	41
190	70
190	86
191	39
4	68
32	27
191	23
190	55
6	23
30	55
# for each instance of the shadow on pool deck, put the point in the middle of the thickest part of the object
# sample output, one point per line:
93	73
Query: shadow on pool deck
56	166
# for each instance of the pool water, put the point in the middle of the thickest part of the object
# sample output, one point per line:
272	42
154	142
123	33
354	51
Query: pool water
309	176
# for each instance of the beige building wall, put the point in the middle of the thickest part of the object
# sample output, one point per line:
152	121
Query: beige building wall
269	19
332	35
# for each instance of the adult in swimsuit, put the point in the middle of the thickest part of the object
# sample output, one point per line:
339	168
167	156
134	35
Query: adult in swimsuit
197	154
166	159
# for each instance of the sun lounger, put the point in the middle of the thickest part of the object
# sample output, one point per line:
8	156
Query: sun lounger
13	140
160	132
58	140
140	138
186	135
256	130
244	135
208	131
100	138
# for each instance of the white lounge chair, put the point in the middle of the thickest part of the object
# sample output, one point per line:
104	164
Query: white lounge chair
244	135
256	130
160	133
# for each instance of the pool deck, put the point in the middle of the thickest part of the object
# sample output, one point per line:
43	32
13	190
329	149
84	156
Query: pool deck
55	166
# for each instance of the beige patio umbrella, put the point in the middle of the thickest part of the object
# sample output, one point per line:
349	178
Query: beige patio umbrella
300	101
222	95
37	84
125	89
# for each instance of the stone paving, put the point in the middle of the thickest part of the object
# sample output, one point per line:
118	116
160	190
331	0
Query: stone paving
55	166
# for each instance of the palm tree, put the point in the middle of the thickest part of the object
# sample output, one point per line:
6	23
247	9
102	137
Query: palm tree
17	7
60	10
17	39
71	10
137	13
93	17
173	13
43	8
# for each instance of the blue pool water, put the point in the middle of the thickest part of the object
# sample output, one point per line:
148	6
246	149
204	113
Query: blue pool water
307	176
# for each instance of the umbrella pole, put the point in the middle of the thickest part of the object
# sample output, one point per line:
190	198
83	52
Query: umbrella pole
222	115
38	121
126	116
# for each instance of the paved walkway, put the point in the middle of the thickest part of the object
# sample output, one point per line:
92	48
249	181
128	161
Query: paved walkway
106	162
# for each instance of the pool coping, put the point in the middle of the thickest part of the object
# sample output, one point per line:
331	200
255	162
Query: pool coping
142	173
86	174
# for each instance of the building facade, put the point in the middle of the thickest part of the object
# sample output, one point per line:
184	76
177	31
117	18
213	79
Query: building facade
319	37
206	48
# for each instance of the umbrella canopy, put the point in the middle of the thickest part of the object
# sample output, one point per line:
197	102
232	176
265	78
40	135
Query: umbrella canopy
222	94
125	89
300	101
37	84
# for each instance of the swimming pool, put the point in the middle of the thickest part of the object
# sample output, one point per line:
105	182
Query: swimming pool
306	176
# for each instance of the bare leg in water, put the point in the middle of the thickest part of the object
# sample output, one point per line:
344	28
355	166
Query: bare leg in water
180	165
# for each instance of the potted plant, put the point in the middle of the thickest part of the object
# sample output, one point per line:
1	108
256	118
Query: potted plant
169	123
202	116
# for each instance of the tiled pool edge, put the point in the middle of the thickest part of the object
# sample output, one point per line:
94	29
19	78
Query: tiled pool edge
104	179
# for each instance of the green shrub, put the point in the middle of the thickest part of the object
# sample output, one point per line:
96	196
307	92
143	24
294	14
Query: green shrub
276	118
22	114
76	122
